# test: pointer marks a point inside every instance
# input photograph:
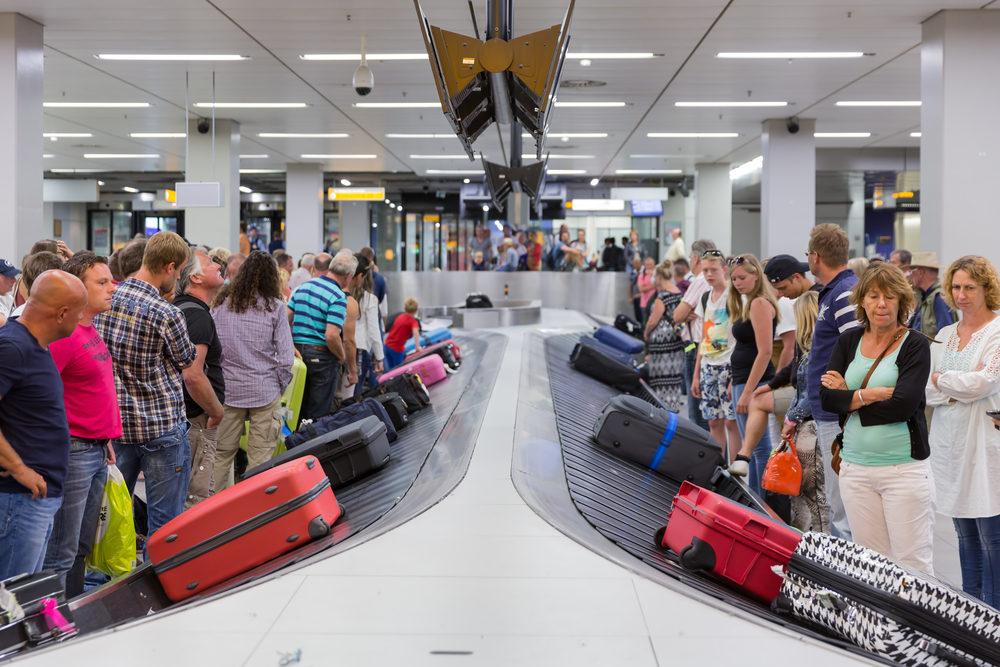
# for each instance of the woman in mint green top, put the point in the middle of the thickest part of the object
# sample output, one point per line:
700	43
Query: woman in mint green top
885	478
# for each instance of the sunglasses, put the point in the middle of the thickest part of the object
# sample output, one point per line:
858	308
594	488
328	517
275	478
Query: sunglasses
737	261
712	253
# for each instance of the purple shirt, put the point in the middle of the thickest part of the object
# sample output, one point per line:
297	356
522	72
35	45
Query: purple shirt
258	353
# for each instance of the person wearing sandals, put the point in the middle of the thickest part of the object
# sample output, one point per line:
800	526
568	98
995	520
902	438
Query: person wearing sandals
875	382
965	448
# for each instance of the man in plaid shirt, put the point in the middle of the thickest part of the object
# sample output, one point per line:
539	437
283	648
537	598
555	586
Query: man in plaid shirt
149	345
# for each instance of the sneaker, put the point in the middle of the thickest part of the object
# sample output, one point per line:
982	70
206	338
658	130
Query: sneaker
740	467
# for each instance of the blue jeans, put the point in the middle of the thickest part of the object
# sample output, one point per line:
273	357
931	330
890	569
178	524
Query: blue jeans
761	453
979	554
75	523
393	358
166	464
366	371
322	373
24	532
694	404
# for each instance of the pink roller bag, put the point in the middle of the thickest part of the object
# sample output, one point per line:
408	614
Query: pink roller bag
430	370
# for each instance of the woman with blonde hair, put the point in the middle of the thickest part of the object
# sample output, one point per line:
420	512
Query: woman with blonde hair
754	312
666	349
965	448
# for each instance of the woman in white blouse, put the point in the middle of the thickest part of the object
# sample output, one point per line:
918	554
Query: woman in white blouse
965	447
367	334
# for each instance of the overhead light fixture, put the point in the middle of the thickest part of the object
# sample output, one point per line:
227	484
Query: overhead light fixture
425	136
175	56
345	182
253	157
610	56
585	62
387	201
649	171
244	189
79	171
437	224
594	182
565	172
374	225
397	105
474	172
441	157
730	104
370	56
571	135
865	103
916	135
323	156
663	157
692	135
251	105
262	171
531	156
119	156
593	105
96	105
128	189
792	55
66	135
157	135
302	135
100	182
45	155
486	207
466	181
842	135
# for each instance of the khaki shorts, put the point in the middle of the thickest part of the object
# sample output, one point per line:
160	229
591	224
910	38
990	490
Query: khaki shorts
782	401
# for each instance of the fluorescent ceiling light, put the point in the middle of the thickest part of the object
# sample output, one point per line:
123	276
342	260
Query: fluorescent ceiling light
244	189
262	171
474	172
594	105
157	135
47	155
730	104
66	135
865	103
441	157
649	171
253	157
565	172
663	157
531	156
842	135
252	105
466	181
78	171
319	156
302	135
119	156
100	182
594	181
96	105
425	136
916	134
692	135
128	189
345	182
370	56
787	55
175	56
397	105
571	135
608	56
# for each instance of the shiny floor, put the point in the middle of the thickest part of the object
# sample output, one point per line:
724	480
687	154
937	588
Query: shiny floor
478	579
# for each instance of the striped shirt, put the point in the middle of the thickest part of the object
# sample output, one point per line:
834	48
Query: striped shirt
836	316
149	345
316	304
257	351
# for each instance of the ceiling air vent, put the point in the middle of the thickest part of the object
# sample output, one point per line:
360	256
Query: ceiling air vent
581	83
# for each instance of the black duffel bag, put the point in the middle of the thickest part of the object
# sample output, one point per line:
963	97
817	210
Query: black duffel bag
478	301
343	417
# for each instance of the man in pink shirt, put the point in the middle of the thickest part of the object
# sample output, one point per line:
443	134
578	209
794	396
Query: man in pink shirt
91	401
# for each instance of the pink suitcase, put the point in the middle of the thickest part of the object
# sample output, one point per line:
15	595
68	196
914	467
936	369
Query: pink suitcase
430	370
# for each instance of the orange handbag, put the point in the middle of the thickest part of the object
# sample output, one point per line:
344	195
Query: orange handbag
783	473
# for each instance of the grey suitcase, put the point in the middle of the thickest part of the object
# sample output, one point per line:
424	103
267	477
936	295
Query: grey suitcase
658	439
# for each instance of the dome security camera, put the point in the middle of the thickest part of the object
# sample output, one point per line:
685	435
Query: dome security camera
204	126
364	80
793	125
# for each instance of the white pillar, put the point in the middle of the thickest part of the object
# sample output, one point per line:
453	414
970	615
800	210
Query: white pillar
788	187
21	126
960	146
215	227
355	225
713	195
303	209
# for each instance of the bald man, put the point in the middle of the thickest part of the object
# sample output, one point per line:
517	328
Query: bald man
34	432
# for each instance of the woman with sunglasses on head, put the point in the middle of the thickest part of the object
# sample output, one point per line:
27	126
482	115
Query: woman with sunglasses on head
666	350
755	318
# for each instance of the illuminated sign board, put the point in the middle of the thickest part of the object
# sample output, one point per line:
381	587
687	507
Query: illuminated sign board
356	194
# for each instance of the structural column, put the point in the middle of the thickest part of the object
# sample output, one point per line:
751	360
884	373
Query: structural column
303	209
788	188
960	146
21	126
355	225
713	206
215	226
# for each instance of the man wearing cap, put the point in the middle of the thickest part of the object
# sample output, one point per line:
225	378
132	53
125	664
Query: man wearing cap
787	276
8	277
932	313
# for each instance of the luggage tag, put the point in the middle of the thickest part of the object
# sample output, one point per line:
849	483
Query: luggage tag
286	414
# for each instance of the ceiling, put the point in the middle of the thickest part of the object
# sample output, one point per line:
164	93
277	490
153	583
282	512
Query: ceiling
688	34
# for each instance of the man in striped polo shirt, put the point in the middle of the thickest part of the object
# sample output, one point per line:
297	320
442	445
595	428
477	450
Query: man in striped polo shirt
317	311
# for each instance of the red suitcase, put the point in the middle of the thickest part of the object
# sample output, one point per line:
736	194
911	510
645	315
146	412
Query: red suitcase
242	527
733	542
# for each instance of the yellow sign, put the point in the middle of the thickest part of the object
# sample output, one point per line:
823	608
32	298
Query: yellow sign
363	194
432	218
171	195
902	195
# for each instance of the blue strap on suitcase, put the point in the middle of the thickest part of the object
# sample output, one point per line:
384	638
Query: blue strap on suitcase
668	435
619	340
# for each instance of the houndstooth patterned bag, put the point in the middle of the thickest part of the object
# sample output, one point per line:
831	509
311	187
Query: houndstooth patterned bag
921	621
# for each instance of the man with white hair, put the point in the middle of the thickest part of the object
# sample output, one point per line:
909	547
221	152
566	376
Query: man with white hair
304	273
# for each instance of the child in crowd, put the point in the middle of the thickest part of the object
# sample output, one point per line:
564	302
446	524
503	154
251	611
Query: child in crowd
405	324
477	261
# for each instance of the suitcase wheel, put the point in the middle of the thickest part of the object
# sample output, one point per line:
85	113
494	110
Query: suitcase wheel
318	528
343	510
699	555
658	535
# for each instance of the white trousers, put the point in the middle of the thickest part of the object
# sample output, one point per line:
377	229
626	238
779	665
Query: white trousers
892	510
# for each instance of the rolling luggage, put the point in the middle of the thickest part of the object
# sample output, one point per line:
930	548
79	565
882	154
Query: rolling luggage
731	541
659	439
478	301
346	453
40	598
395	407
448	351
408	386
604	366
619	340
431	337
614	353
626	324
429	369
242	527
350	414
879	605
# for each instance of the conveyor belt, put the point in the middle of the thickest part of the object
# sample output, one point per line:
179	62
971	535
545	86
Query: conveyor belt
365	501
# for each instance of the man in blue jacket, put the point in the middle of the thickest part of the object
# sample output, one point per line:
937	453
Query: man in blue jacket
828	254
932	313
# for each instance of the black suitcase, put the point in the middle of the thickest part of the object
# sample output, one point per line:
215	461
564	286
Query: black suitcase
348	414
478	301
396	408
602	365
345	454
410	389
627	325
658	439
31	591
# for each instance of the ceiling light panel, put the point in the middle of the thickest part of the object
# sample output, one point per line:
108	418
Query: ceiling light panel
424	136
730	104
318	156
565	172
792	55
356	57
397	105
66	135
663	157
592	105
244	189
473	172
842	135
531	156
610	56
252	105
916	135
865	103
262	171
157	135
301	135
119	156
168	56
441	157
96	105
254	157
571	135
692	135
128	189
649	171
